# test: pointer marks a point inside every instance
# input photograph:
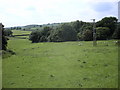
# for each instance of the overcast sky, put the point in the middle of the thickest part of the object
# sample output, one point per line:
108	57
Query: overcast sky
25	12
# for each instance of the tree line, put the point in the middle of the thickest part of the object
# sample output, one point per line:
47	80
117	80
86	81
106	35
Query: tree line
107	28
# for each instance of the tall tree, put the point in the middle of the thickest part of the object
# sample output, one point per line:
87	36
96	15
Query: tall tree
102	33
116	34
76	25
40	35
110	22
4	39
87	35
63	33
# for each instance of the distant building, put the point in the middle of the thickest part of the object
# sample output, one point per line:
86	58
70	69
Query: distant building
119	11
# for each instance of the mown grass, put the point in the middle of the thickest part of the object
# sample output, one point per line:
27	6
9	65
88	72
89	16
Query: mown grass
61	65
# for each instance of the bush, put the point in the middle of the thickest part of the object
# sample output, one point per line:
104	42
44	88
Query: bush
8	32
116	34
40	36
102	33
55	36
80	36
109	22
63	33
87	35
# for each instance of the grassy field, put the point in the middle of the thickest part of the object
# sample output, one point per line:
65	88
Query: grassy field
22	37
20	32
61	65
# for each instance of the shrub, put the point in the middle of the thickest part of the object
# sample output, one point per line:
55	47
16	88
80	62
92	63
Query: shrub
63	33
8	32
40	35
102	33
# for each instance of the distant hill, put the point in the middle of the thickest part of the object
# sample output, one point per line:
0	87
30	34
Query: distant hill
34	27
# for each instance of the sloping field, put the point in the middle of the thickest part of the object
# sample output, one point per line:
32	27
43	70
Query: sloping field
61	65
20	32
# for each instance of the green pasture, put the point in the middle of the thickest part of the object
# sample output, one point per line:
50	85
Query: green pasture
22	37
20	32
61	65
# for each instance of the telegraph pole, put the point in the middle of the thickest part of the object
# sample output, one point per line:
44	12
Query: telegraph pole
94	33
1	36
1	26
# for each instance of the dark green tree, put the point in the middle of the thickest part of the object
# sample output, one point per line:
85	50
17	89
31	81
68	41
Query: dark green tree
110	22
102	33
68	33
34	36
4	39
116	34
55	36
80	36
87	35
40	35
64	33
76	25
85	32
8	32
